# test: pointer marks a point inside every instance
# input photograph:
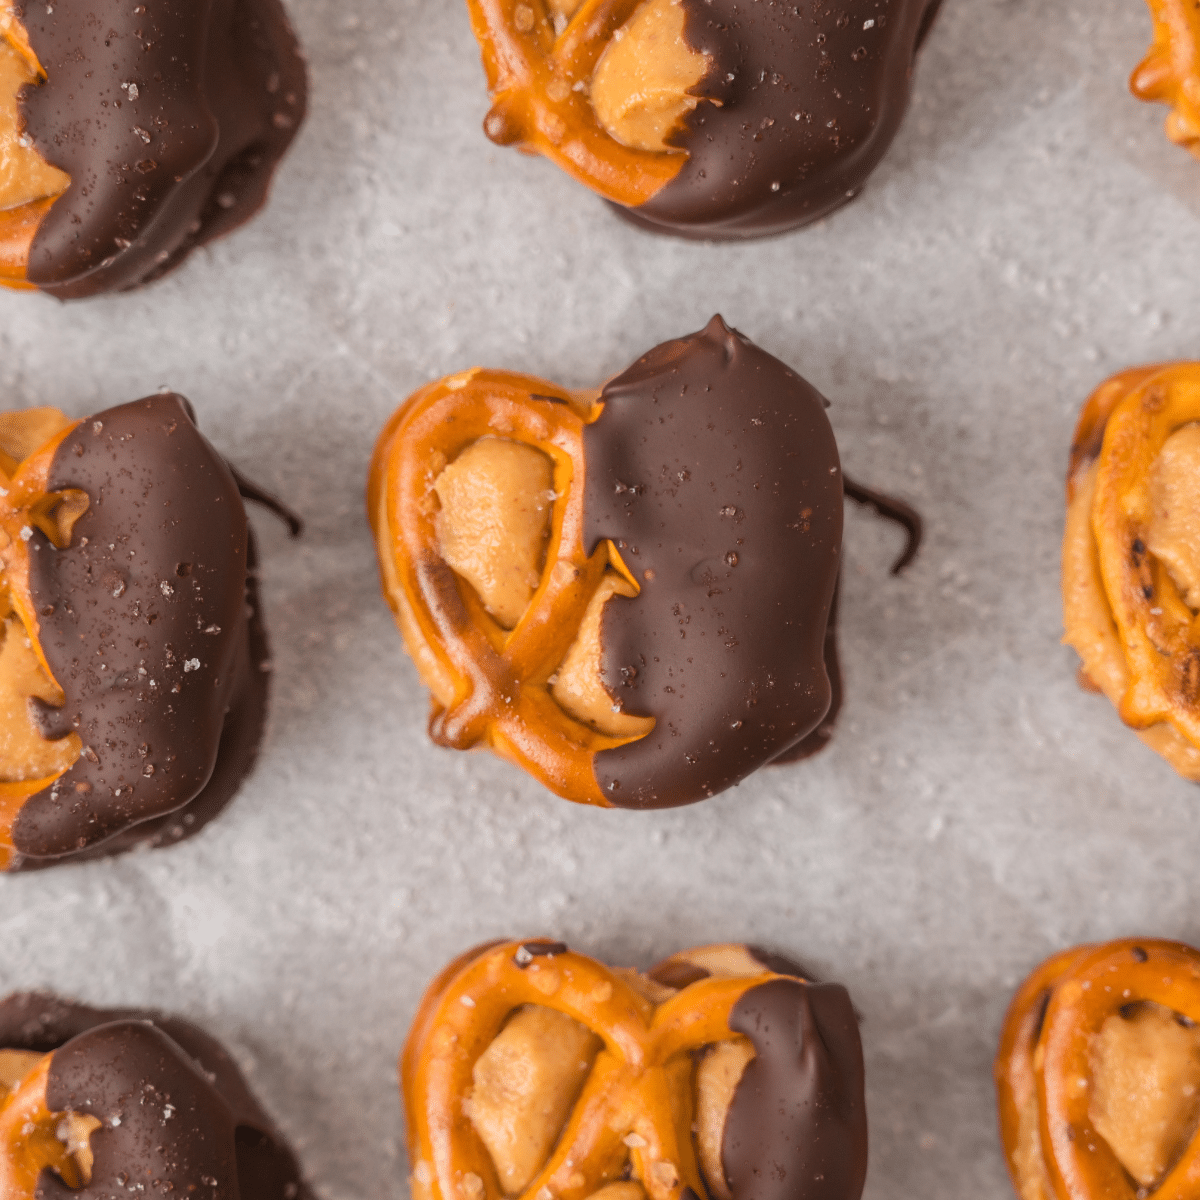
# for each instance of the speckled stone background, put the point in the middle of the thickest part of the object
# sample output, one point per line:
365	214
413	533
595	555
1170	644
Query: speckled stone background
1030	232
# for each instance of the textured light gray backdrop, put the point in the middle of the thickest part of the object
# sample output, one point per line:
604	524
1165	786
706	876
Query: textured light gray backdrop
1029	233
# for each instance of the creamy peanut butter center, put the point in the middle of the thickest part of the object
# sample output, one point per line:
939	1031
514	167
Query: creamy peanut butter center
24	175
717	1077
496	498
24	753
641	88
525	1084
1174	534
1145	1099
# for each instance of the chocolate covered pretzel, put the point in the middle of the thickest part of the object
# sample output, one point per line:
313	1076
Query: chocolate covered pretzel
721	1074
133	679
97	1103
705	118
130	134
625	592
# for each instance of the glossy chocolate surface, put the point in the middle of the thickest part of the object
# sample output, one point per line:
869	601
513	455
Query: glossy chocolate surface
145	624
811	94
186	1122
797	1127
169	116
714	469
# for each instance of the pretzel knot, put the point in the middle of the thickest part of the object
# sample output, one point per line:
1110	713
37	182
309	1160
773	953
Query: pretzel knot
538	81
1046	1071
635	1112
494	683
1170	72
1130	553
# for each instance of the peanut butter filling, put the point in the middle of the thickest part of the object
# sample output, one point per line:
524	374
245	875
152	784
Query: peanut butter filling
496	499
525	1085
24	175
1174	538
642	87
717	1077
1145	1098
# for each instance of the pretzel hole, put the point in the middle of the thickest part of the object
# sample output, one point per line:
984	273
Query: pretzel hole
24	175
1145	1099
60	1141
496	500
525	1085
24	432
643	85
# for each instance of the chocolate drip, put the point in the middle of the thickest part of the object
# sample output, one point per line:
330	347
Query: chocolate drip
88	1063
169	116
797	1127
816	96
891	509
714	470
779	963
249	490
144	626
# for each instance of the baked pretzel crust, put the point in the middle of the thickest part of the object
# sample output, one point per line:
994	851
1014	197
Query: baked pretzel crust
29	1143
1044	1056
1123	612
25	504
490	685
538	83
1170	72
631	1088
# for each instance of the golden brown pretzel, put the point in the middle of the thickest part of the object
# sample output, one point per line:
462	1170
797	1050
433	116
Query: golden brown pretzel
1045	1075
1170	72
539	103
490	685
29	1136
638	1110
1124	611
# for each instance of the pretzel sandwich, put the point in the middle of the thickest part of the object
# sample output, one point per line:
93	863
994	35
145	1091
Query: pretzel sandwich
1131	555
1170	72
533	1071
1098	1075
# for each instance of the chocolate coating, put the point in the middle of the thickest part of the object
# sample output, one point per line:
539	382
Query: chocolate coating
133	1063
797	1127
714	469
145	625
811	96
170	117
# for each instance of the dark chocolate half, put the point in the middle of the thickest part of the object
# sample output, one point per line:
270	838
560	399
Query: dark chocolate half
149	621
186	1123
812	95
797	1126
714	469
170	117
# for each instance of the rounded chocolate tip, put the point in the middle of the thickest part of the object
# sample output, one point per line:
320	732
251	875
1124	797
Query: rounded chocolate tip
810	99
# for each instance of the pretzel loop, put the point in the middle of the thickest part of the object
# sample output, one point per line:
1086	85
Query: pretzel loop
1170	72
494	682
1156	627
29	1143
1045	1058
628	1091
539	94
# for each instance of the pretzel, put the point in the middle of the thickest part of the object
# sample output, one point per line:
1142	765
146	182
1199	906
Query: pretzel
33	1139
1124	612
1046	1069
1170	72
634	1111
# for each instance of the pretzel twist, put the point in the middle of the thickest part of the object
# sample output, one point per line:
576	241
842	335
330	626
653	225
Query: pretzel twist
29	1142
1044	1055
1157	630
490	684
538	83
1170	72
24	505
634	1086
